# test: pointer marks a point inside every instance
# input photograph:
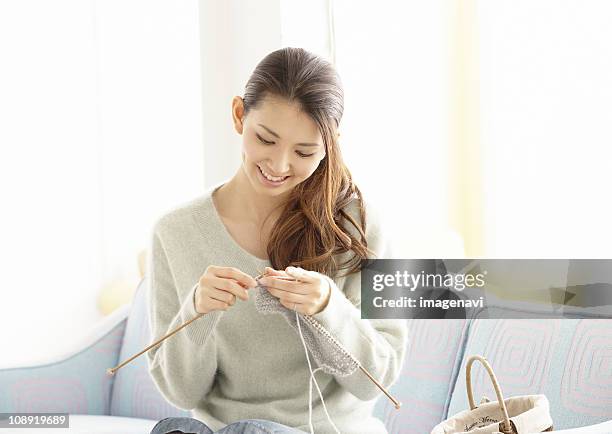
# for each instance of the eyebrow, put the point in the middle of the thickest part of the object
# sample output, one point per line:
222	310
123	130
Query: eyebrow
278	137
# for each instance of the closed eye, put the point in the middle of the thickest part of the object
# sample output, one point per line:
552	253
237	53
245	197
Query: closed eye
301	154
264	141
267	142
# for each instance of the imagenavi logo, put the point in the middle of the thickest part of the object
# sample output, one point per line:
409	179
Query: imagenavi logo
412	281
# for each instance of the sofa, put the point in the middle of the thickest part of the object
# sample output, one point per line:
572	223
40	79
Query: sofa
568	360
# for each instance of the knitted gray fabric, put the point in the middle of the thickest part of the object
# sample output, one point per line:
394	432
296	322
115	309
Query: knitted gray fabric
329	354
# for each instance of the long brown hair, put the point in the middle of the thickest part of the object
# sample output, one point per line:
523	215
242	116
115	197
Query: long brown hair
311	228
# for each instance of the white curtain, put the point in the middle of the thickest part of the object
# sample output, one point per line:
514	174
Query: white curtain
101	132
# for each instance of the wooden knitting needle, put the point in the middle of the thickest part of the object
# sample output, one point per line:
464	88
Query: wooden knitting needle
111	371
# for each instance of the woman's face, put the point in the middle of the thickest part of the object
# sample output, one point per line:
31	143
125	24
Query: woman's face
281	145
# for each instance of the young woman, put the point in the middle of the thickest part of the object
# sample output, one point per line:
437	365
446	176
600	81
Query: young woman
291	209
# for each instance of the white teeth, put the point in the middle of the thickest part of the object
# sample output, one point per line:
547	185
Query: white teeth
270	177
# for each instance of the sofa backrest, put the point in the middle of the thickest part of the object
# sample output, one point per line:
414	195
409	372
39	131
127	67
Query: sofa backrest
433	357
76	383
568	360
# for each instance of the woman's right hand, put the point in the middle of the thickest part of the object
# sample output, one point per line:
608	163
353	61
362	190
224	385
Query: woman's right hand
219	286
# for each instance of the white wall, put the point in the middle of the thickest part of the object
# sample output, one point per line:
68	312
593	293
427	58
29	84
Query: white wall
393	58
545	95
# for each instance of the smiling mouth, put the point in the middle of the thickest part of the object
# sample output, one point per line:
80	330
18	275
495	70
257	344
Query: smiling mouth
270	177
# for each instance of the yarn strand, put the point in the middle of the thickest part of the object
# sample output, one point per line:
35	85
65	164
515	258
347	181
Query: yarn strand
312	378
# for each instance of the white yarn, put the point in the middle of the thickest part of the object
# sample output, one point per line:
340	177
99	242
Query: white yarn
332	359
312	378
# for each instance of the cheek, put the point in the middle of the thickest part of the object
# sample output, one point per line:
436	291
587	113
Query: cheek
251	151
307	167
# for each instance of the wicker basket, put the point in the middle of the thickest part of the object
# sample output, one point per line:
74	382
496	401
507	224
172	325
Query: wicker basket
516	415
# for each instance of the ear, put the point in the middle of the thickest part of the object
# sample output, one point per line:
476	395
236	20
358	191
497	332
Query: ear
238	113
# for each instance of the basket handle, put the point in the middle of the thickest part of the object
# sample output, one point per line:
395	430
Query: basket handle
506	427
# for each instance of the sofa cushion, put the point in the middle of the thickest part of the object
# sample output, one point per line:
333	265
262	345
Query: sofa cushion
134	394
568	360
432	359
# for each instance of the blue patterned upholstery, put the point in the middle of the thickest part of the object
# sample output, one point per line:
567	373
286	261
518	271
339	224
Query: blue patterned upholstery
77	384
568	360
433	356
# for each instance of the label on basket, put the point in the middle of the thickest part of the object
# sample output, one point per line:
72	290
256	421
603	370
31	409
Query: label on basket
481	422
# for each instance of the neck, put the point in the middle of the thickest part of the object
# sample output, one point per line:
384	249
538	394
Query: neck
239	195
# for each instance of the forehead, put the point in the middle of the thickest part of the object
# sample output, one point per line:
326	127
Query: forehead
286	119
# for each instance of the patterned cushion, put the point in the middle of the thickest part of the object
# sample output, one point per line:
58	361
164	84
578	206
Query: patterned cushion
568	360
134	393
430	367
75	384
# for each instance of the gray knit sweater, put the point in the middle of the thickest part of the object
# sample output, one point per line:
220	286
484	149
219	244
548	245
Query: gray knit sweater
240	364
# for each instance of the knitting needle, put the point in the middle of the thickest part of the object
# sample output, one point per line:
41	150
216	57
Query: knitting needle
111	371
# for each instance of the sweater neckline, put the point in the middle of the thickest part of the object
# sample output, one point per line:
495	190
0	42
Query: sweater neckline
225	231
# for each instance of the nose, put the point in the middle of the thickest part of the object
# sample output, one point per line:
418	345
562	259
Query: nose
279	163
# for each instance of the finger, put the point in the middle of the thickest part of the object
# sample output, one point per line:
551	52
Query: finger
289	296
291	305
301	274
231	286
219	305
233	273
223	296
269	271
285	285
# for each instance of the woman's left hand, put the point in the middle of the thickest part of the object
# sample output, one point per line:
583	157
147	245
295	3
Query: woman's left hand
308	295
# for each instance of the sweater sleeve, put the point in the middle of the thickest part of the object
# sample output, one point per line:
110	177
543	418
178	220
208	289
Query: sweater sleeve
378	344
183	366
